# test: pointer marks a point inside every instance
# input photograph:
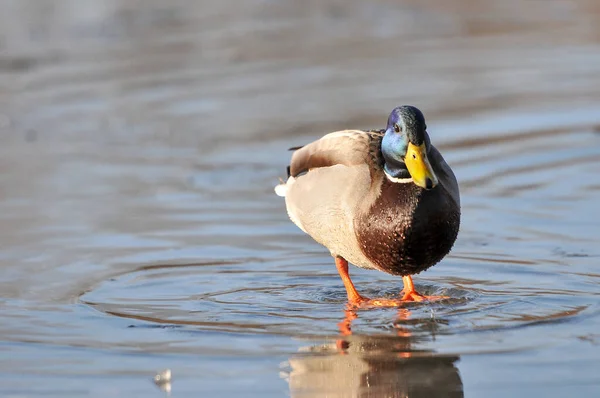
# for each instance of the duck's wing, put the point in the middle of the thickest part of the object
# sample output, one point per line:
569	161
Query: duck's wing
348	148
330	180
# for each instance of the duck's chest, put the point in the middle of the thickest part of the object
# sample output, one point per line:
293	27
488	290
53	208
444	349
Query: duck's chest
407	228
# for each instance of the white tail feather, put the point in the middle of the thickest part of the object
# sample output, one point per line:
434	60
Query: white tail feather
282	188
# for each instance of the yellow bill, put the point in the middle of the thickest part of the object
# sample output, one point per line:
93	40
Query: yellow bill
419	167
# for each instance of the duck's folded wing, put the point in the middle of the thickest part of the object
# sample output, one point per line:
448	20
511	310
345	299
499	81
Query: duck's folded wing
331	180
348	147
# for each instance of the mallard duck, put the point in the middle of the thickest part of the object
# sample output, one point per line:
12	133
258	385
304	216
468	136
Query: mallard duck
381	199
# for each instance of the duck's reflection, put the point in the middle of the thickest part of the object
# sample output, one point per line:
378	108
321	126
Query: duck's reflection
373	366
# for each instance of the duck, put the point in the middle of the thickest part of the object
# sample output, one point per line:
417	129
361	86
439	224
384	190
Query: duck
382	200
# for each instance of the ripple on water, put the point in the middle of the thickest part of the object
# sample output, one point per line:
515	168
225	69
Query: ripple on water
276	297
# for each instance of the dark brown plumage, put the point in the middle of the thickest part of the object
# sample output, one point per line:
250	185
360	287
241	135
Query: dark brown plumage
410	241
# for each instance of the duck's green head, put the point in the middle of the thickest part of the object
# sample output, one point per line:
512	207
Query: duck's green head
405	146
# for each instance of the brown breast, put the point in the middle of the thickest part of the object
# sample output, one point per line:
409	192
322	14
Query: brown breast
408	229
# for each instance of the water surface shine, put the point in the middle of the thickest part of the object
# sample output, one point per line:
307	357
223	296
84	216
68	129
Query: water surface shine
140	231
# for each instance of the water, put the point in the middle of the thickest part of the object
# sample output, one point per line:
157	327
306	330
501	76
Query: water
139	229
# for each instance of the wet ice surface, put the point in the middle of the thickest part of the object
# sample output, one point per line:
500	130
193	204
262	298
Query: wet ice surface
140	231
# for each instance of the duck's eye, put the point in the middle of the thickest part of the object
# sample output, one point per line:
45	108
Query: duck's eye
397	128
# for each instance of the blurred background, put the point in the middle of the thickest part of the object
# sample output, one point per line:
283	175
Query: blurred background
139	145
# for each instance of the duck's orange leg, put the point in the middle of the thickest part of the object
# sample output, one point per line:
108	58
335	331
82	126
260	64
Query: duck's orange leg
410	294
353	296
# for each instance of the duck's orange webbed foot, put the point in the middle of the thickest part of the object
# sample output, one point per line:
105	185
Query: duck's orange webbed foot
410	294
365	302
381	302
399	302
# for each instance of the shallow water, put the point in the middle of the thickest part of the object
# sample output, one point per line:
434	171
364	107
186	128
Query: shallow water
140	143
